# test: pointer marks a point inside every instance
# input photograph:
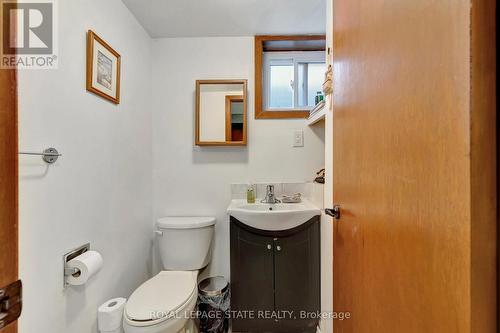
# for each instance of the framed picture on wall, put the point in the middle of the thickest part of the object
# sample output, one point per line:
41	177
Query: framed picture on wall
103	68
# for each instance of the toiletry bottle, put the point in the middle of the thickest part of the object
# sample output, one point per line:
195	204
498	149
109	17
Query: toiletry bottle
319	97
250	194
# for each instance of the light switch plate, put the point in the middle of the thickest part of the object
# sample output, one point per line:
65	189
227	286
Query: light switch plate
298	138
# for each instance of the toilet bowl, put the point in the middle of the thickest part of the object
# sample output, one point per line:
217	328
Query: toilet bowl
166	302
163	304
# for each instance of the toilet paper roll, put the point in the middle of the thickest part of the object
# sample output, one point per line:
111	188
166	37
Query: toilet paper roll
110	314
88	264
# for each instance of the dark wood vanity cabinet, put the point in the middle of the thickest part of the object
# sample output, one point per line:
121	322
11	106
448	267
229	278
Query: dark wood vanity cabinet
275	278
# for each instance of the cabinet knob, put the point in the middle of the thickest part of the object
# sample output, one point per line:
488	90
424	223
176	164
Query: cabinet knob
278	248
269	246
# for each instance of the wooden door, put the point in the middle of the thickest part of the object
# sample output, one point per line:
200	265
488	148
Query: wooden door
414	165
8	186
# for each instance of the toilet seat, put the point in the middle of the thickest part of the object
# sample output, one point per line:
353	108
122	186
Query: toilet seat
161	298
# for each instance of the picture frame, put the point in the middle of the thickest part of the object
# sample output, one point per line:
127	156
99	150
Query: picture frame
103	68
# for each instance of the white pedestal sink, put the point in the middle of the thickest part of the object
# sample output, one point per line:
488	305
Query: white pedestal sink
280	216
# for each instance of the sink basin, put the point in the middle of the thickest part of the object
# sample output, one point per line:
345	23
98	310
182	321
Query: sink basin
272	217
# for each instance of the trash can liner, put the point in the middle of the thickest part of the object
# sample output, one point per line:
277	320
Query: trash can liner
220	302
213	305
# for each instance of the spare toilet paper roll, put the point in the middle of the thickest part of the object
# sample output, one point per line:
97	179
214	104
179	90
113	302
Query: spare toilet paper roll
109	315
88	264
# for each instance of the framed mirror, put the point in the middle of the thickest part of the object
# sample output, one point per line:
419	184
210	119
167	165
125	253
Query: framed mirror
221	113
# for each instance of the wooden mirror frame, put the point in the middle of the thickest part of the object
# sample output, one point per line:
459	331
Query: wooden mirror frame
243	142
260	112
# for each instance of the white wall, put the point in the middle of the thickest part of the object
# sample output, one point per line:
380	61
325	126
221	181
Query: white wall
326	221
193	180
100	189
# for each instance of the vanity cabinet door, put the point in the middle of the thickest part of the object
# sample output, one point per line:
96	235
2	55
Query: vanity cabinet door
297	277
252	278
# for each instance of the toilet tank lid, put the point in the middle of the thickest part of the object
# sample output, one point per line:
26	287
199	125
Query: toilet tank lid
185	222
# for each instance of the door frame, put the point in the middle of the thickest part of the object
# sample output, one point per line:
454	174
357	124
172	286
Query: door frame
9	216
8	182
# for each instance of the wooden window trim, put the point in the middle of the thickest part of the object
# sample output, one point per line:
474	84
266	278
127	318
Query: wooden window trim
260	112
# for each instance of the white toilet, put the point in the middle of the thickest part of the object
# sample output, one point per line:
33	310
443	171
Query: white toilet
163	304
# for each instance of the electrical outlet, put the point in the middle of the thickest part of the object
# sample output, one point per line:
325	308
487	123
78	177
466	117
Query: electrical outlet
298	138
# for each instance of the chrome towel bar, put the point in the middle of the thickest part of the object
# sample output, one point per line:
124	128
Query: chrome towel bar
49	155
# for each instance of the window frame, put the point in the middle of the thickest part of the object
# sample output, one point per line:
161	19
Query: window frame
293	58
262	112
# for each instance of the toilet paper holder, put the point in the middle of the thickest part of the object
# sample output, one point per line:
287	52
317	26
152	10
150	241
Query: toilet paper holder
67	271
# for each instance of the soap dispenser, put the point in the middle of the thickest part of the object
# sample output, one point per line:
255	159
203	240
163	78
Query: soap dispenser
250	194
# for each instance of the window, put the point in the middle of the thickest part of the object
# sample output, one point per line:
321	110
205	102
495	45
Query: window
280	89
292	79
310	81
289	73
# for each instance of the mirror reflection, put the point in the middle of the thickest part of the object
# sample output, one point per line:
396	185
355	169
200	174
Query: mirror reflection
221	112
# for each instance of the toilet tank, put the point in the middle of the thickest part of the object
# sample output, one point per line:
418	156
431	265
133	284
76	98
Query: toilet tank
185	243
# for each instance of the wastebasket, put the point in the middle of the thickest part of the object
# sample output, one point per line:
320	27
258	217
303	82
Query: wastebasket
213	305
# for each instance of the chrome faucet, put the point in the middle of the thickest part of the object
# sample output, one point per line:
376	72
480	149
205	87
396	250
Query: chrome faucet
270	197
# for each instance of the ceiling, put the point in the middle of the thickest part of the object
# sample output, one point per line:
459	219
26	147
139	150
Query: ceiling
203	18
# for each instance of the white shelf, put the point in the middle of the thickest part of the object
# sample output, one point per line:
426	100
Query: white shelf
318	115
